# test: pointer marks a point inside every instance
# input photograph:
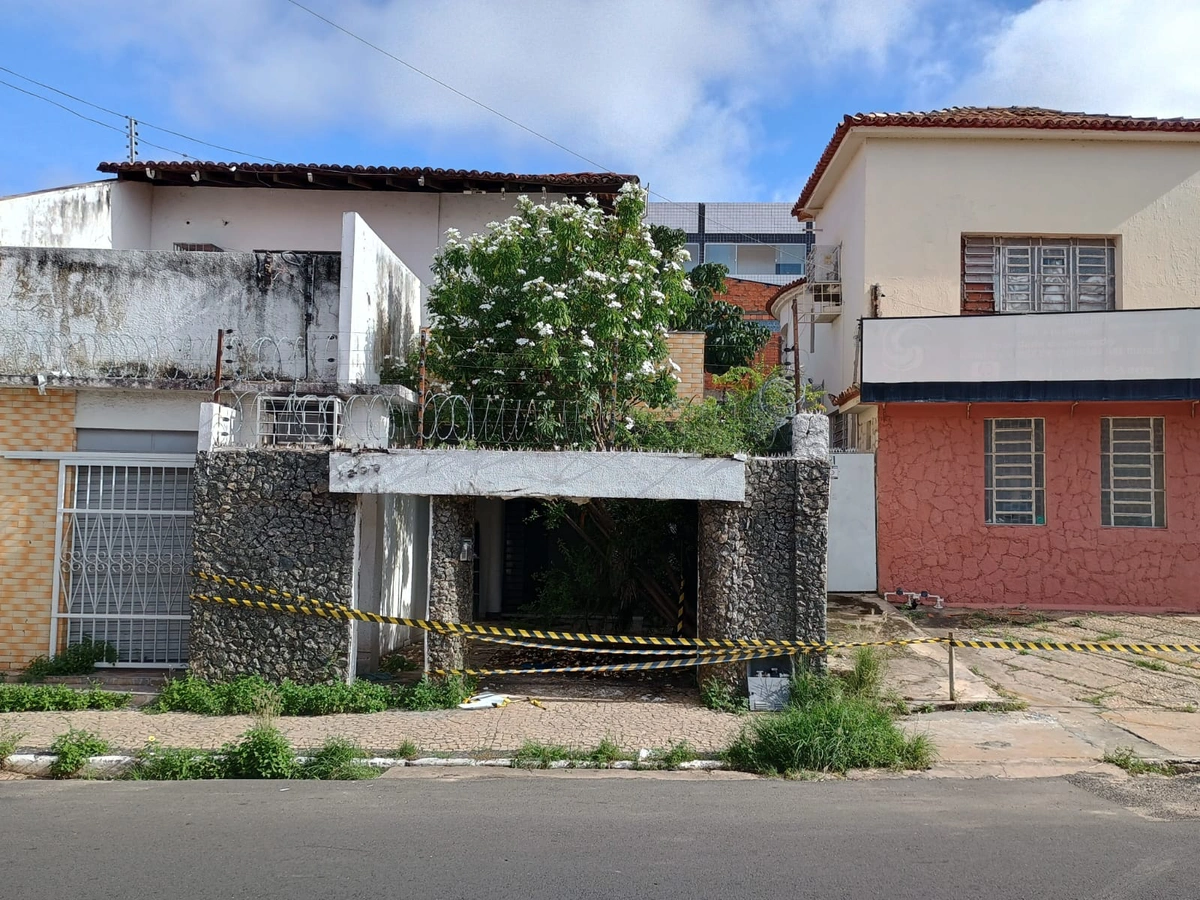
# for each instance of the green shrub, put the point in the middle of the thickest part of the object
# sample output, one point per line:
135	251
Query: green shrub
328	699
73	749
155	762
338	760
719	695
56	698
825	728
407	750
395	663
433	693
253	695
76	659
1125	758
262	752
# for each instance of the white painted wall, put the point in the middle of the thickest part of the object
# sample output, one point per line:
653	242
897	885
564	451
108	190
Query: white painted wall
76	216
1097	346
902	203
925	194
380	307
852	523
142	410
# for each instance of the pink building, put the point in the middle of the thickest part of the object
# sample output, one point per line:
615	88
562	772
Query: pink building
1009	324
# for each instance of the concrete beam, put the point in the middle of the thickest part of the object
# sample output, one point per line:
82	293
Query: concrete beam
530	473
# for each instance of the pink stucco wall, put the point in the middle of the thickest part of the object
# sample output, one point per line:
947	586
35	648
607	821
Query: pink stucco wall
932	535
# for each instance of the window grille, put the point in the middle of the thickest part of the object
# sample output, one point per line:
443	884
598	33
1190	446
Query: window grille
286	421
1014	471
843	431
1024	275
1132	478
198	248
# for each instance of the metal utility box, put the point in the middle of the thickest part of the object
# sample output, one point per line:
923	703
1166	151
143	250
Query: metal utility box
769	681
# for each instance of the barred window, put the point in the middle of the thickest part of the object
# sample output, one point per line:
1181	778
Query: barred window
1014	471
1132	478
1024	275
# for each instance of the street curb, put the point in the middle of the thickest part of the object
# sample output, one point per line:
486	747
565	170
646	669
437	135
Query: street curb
38	764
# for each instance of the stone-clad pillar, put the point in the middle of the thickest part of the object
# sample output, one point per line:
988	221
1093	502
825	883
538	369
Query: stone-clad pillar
450	579
763	561
267	516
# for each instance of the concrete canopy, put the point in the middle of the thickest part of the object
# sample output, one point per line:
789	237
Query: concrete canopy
529	473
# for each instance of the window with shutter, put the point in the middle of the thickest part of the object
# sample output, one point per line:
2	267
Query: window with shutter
1025	275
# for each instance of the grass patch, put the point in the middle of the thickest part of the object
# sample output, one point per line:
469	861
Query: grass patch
1125	758
720	696
998	706
9	741
57	698
76	659
407	750
1154	665
671	757
339	760
1094	699
1074	623
72	750
155	762
607	752
1107	636
251	694
831	724
536	755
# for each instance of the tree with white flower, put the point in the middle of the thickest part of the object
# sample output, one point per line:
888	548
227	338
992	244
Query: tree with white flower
564	305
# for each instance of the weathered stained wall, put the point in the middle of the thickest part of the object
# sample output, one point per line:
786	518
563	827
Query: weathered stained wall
268	517
763	561
450	579
28	508
932	534
75	216
281	307
380	304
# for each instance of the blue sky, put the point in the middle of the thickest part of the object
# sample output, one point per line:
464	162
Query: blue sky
704	99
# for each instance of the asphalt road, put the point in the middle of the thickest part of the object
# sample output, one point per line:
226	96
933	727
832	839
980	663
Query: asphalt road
549	836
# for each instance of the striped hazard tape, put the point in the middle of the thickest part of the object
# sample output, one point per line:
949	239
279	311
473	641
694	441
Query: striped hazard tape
703	660
299	604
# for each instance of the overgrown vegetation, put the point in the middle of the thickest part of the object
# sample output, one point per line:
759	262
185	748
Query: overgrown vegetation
75	659
9	741
1125	758
72	751
536	755
730	340
720	696
250	694
57	698
831	724
1154	665
263	752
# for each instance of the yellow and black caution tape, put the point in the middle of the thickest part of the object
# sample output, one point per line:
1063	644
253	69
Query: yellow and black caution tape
299	604
612	651
1075	647
715	659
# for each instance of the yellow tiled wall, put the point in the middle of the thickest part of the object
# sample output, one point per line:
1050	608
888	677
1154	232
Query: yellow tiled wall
687	352
28	507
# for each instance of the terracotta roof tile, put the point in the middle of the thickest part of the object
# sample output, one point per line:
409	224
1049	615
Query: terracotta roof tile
988	117
317	176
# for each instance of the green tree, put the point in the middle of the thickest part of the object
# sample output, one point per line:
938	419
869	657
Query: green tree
556	306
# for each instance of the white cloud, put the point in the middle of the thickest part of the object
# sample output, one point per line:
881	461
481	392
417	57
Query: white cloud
674	90
1135	57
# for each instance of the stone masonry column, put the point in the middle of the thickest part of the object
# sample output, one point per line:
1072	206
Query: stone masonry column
763	561
450	579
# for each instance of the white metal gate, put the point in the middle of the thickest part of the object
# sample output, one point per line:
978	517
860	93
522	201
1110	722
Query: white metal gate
852	523
124	548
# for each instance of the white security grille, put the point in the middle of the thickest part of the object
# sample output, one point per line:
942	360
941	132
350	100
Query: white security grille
295	419
1132	477
124	550
1014	472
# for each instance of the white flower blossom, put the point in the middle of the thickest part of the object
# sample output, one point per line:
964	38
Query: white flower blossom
629	423
674	365
614	304
544	330
521	341
647	367
586	341
560	295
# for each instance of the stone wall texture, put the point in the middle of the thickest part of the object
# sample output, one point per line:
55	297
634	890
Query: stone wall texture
932	535
268	517
763	562
450	579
